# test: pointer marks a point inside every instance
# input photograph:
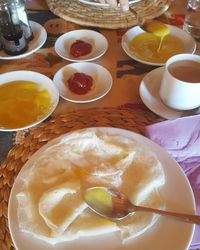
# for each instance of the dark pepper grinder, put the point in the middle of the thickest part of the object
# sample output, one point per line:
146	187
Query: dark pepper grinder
12	36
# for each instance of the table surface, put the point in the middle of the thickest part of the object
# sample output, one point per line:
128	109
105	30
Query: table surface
127	73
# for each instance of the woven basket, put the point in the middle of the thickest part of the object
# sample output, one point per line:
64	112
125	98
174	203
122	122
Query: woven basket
106	17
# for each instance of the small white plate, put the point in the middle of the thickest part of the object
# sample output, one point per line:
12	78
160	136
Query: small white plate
187	40
39	38
149	93
40	79
96	3
98	41
102	81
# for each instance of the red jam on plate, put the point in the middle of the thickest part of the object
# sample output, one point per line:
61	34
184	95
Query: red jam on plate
80	83
80	48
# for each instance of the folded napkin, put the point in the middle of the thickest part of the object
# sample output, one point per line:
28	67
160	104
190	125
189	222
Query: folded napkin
181	138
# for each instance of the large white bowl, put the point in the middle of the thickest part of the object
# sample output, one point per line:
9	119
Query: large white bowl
38	78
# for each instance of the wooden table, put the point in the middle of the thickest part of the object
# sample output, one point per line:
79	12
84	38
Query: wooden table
121	107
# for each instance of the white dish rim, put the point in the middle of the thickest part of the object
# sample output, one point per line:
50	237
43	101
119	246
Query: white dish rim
91	2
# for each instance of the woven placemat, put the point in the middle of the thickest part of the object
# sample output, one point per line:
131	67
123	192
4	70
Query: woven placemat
106	17
29	141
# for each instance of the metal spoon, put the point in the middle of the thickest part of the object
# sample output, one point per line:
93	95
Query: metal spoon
141	22
118	207
144	23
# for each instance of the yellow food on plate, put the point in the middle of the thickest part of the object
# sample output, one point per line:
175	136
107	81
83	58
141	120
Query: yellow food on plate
51	205
23	103
146	47
100	198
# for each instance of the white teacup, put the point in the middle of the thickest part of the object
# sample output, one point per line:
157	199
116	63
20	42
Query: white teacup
180	85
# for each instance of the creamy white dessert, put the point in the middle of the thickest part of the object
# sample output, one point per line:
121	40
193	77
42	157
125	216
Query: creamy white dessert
50	204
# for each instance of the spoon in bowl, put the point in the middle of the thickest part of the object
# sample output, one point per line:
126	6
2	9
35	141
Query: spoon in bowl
157	28
112	204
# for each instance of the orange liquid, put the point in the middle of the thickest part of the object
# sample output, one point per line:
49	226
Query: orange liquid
22	103
145	46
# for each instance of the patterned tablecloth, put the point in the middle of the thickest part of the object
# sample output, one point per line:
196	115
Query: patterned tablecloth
127	73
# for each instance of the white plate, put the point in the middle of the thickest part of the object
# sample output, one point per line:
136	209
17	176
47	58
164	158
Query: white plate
42	80
39	38
187	40
96	3
149	93
165	234
98	41
102	81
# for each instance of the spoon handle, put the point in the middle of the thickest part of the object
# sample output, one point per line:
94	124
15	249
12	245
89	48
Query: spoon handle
195	219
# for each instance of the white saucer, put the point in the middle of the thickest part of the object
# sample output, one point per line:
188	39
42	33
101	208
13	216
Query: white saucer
39	38
187	40
101	77
94	3
98	41
149	93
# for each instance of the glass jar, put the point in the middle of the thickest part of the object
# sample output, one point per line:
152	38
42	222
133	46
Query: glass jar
12	36
21	9
192	18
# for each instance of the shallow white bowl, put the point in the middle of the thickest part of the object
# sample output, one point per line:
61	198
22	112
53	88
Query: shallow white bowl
187	40
38	78
98	41
102	81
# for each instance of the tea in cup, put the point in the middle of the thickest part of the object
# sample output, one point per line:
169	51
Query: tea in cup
180	84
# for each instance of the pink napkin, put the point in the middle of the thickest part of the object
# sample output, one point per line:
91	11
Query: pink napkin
181	138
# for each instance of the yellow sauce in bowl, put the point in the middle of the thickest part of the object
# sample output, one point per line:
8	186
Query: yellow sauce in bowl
23	103
145	47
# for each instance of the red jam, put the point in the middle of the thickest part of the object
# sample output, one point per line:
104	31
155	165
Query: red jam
80	48
80	83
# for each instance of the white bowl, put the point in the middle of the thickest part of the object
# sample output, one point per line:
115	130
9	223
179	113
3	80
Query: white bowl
186	39
102	80
98	41
42	80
